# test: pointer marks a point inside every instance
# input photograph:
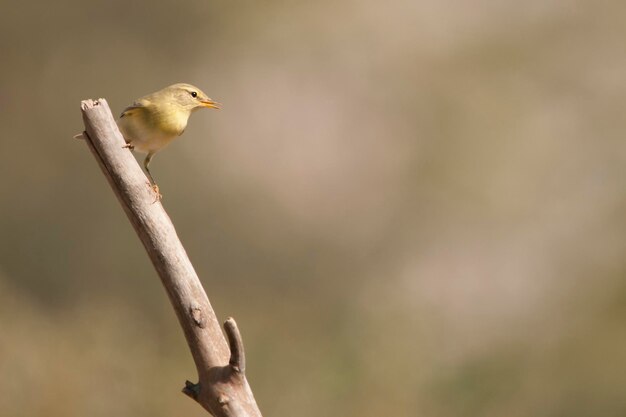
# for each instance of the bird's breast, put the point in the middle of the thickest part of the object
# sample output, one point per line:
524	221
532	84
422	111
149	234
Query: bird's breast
149	130
170	120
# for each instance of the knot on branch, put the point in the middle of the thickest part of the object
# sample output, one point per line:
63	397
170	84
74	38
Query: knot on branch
223	390
198	316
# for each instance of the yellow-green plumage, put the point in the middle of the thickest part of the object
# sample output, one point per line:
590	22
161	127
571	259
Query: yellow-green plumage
153	121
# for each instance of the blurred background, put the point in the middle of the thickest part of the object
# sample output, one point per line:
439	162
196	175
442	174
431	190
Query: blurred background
412	208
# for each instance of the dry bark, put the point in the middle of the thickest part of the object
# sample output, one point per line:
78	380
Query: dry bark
222	388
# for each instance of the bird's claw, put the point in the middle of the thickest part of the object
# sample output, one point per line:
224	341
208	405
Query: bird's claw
128	146
157	195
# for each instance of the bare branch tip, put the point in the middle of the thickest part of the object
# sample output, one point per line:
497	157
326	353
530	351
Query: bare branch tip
237	355
81	135
91	103
191	390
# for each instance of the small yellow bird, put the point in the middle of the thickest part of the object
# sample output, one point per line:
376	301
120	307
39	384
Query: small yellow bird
153	121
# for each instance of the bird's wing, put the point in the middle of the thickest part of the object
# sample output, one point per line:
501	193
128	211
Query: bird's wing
139	104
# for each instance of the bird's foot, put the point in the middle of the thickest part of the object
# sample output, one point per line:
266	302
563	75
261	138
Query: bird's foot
157	195
129	146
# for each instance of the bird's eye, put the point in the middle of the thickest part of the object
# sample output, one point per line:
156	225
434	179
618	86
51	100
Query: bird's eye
194	94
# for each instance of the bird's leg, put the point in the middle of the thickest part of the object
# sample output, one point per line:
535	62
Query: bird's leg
155	187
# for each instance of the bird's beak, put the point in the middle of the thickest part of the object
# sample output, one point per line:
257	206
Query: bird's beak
210	104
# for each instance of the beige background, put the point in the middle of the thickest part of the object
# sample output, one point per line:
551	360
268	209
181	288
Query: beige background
412	208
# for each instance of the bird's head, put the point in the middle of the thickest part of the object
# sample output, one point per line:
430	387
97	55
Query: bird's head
189	97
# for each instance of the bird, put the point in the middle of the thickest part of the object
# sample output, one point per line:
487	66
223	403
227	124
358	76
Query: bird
155	120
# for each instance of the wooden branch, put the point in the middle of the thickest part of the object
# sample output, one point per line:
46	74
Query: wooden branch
222	388
237	355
